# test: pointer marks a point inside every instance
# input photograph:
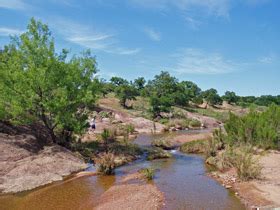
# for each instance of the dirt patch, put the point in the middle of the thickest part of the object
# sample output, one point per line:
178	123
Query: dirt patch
131	196
263	193
25	165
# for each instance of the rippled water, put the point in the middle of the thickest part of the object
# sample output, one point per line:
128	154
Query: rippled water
181	178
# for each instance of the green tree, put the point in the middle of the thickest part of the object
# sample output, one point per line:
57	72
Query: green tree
161	91
39	85
117	81
230	97
139	83
126	92
211	97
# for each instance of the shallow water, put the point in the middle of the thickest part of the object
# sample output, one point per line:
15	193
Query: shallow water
181	178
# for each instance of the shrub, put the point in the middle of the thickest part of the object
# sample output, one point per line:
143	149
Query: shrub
247	167
105	163
195	123
241	158
215	143
104	114
258	129
149	173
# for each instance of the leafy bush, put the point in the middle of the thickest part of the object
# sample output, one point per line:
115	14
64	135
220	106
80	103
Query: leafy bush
149	173
105	163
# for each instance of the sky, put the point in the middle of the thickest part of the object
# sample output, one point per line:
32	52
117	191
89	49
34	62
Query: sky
223	44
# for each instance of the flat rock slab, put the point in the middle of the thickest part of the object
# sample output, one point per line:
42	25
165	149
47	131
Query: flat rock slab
23	168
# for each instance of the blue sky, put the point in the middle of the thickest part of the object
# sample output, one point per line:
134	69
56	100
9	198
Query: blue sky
224	44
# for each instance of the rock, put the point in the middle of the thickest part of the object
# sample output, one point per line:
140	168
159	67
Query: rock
117	122
26	168
178	127
228	186
158	153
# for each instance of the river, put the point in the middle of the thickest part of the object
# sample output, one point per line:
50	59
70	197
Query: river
183	180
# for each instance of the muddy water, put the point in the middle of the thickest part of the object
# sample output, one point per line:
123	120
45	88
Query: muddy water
182	178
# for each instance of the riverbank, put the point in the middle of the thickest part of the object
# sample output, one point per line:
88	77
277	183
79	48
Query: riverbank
262	193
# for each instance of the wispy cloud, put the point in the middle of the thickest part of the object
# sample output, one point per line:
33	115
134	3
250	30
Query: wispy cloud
193	23
13	4
267	59
9	31
86	36
196	61
152	34
216	7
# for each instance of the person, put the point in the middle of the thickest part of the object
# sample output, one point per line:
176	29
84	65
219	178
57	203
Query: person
92	124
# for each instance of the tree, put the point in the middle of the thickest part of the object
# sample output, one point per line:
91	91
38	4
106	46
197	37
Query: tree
117	81
211	97
186	91
105	87
125	92
159	104
39	85
162	90
230	97
139	83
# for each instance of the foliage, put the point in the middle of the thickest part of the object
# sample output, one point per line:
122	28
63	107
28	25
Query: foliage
195	147
149	173
230	97
215	143
247	167
105	163
211	97
139	83
37	84
194	123
118	81
125	92
260	129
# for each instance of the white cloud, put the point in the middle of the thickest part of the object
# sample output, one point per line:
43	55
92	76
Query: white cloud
195	61
88	37
267	59
13	4
152	34
9	31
